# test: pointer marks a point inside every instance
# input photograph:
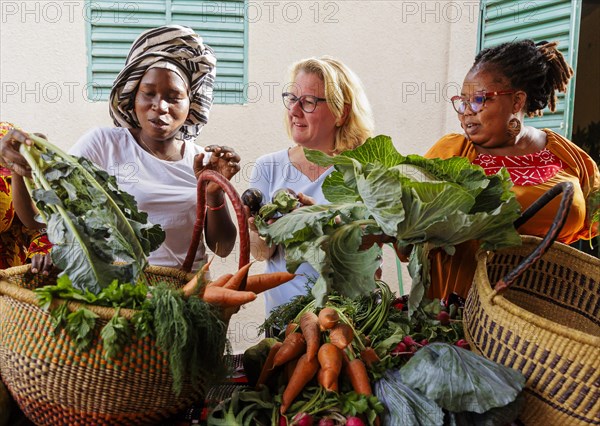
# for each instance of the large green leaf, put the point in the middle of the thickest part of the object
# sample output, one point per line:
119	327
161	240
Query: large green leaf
415	200
404	406
459	380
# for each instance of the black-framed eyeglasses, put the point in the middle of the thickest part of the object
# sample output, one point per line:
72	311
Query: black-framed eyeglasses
308	103
475	102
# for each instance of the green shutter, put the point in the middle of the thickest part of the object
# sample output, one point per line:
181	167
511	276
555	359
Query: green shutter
114	25
551	20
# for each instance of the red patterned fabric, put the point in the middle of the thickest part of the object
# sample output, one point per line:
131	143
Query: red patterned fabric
524	170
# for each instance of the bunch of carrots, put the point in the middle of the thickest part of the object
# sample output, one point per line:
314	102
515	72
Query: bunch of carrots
318	346
232	290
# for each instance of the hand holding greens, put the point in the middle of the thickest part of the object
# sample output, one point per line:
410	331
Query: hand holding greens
90	222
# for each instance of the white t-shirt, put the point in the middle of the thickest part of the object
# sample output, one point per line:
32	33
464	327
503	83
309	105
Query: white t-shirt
166	190
270	173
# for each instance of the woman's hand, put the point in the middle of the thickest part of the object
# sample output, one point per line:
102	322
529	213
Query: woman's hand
9	152
41	263
223	160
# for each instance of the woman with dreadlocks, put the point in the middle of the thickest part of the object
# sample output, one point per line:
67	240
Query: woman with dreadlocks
506	83
159	102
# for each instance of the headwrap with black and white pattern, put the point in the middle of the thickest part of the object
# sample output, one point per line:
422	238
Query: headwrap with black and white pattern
176	48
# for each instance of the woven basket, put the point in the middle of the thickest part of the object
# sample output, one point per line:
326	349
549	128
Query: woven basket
546	325
55	384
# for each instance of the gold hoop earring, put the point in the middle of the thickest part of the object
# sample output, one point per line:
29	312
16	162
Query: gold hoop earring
514	127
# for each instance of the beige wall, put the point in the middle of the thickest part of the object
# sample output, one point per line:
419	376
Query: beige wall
411	56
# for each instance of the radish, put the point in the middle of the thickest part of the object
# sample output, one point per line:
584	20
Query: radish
326	422
408	341
354	421
303	419
283	421
462	343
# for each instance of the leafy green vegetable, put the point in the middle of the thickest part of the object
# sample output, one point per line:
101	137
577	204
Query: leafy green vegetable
374	190
90	222
459	380
80	325
115	335
500	416
191	332
405	406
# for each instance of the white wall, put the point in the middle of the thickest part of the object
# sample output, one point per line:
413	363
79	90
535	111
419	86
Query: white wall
411	56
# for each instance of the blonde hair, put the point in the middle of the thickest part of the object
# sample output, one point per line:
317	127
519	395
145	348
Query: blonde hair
342	87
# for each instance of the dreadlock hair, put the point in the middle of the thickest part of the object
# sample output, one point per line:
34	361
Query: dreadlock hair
537	69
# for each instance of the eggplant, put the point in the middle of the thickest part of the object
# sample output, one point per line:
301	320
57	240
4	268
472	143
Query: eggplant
254	199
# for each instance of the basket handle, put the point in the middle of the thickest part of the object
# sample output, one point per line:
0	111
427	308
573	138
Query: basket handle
566	188
203	179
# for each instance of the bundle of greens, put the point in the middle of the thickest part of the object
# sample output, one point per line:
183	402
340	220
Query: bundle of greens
90	222
375	191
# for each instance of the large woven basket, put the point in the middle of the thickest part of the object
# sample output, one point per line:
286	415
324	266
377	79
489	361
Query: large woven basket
546	325
55	384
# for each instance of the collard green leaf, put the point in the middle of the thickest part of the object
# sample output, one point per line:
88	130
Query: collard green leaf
459	380
414	200
91	223
404	406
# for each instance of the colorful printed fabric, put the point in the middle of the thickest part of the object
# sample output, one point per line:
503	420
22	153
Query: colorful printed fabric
524	170
17	242
566	162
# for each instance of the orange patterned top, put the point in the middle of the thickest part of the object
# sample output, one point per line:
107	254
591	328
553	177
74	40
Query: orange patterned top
533	175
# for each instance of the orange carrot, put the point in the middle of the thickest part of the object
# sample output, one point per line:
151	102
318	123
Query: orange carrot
293	346
357	372
263	282
290	328
220	282
237	279
330	360
196	285
341	335
289	369
192	287
328	318
303	373
227	298
369	356
309	324
324	378
268	366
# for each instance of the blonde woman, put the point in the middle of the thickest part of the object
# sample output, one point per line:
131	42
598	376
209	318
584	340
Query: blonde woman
327	110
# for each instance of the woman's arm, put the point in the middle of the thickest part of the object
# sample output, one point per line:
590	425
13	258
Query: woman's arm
219	230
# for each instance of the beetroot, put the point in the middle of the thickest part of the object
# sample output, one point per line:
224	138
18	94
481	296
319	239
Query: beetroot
443	317
303	419
354	421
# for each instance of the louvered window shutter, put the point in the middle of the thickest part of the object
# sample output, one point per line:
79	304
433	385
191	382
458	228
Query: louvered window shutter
114	25
550	20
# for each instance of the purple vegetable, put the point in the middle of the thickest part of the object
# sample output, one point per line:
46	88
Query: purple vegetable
326	422
354	421
303	419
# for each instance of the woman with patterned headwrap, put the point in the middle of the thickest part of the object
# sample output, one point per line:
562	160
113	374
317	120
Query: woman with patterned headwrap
159	103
